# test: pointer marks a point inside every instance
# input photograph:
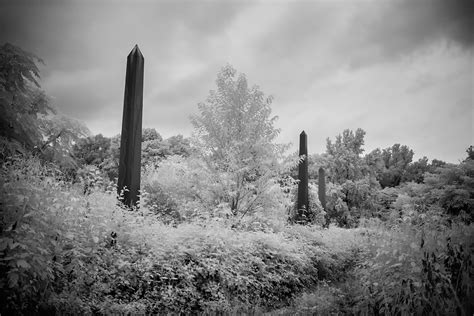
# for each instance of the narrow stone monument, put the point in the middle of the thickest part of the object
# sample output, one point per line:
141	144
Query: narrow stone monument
303	201
322	187
131	141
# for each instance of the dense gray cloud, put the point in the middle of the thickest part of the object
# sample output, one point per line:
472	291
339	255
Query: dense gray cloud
403	26
74	35
394	68
359	33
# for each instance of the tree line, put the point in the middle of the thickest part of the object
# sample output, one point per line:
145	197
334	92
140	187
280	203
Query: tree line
233	150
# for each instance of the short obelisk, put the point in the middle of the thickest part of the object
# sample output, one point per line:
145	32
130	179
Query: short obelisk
303	201
131	139
322	187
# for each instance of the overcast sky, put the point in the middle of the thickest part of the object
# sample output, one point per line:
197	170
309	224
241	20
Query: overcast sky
402	70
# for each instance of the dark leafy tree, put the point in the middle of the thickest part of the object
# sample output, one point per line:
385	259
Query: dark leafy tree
415	171
374	161
344	155
470	153
435	163
17	67
390	164
92	150
347	141
150	134
26	113
453	187
155	148
316	161
104	152
178	145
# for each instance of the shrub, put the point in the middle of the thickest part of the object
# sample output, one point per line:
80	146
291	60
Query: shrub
161	203
182	188
418	270
337	209
316	214
66	253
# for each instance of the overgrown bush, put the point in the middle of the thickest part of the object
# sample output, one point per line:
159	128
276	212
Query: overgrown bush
316	214
337	210
416	269
180	189
68	253
63	252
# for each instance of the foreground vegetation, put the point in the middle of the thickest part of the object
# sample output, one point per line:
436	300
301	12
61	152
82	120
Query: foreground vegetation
79	254
64	252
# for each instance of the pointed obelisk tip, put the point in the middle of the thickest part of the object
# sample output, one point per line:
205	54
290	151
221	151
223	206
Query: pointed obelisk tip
136	50
303	133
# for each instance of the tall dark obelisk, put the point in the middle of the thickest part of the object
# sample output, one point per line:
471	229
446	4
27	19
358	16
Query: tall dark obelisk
302	203
131	141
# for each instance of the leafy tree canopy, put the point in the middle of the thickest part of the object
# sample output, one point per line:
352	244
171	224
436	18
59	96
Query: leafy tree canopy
344	154
470	153
17	67
416	170
235	119
150	134
390	164
26	113
92	150
348	141
235	133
